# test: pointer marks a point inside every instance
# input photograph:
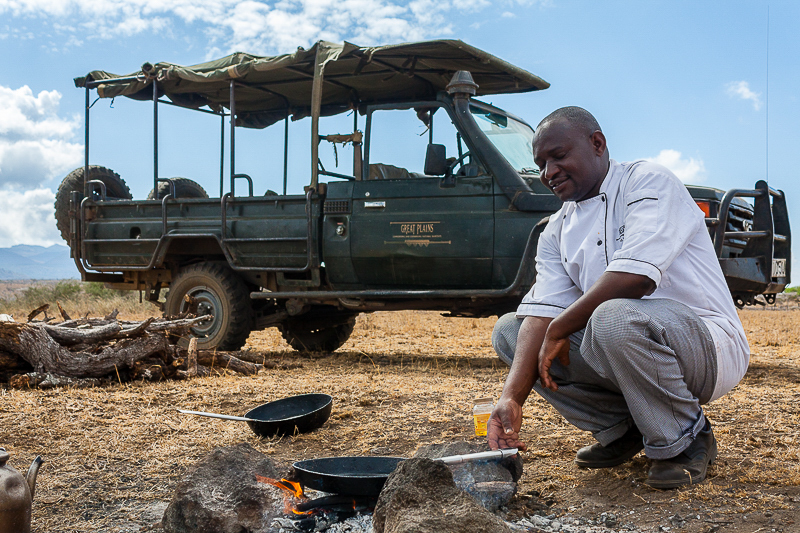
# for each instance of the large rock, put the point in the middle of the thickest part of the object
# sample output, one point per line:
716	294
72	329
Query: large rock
221	495
491	483
421	497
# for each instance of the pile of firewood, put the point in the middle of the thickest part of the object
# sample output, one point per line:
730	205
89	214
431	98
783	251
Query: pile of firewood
88	351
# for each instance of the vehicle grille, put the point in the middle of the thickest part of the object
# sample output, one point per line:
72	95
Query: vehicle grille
336	207
739	219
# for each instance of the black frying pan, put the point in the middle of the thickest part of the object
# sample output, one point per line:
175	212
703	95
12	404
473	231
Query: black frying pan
365	476
302	413
347	476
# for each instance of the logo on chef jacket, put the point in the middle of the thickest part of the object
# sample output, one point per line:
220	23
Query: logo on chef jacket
416	233
621	237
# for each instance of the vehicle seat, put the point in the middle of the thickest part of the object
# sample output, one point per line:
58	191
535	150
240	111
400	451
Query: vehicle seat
380	171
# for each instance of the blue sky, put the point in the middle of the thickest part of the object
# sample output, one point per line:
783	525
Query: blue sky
681	82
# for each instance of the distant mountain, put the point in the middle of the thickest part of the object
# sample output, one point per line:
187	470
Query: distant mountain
25	261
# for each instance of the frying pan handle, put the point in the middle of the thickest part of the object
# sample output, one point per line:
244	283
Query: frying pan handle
216	415
480	456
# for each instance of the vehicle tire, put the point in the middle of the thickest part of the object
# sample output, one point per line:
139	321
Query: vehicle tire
218	291
116	189
321	339
184	188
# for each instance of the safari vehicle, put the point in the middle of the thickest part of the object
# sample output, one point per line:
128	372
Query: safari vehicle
449	224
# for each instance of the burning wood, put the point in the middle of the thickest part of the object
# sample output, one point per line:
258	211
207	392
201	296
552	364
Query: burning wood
293	494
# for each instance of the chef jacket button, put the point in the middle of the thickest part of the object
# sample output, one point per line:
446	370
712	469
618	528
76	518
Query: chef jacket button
602	198
599	243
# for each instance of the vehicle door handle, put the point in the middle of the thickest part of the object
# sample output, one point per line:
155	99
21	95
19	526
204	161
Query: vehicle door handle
374	205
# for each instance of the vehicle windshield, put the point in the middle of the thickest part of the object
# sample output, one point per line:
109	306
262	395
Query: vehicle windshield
513	138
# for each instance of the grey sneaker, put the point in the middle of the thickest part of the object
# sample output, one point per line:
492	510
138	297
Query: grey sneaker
616	453
687	468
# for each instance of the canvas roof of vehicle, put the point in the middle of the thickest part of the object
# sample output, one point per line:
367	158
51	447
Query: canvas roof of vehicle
267	88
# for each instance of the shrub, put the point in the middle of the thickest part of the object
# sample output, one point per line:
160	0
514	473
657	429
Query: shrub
77	298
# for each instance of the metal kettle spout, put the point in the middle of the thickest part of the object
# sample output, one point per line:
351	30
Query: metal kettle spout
33	471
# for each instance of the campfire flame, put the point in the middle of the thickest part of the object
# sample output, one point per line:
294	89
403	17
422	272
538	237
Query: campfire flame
293	492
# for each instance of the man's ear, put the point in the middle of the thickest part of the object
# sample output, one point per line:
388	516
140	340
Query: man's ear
598	141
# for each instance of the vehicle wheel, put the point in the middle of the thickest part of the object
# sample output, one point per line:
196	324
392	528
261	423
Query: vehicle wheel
214	290
116	189
305	338
184	188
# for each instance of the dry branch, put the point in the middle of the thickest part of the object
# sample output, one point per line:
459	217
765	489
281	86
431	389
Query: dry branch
136	330
170	325
64	314
39	310
217	360
191	358
72	336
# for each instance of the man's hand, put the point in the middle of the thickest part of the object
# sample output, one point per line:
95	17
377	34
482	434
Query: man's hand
552	347
503	427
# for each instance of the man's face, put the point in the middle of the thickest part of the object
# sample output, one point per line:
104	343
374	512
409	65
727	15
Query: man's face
572	163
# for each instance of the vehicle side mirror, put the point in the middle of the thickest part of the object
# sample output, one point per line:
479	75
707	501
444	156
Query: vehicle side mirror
435	160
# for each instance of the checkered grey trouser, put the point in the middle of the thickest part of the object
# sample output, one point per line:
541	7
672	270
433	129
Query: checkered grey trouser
646	362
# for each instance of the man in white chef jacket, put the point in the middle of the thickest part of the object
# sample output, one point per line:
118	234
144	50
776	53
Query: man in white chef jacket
630	327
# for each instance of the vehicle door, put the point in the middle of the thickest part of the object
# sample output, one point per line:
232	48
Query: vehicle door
414	230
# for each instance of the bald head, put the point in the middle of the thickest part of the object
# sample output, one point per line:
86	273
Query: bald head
577	117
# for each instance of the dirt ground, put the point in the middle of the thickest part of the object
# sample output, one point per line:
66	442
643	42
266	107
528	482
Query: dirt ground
112	455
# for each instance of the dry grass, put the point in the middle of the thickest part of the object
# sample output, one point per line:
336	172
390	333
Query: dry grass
402	380
18	298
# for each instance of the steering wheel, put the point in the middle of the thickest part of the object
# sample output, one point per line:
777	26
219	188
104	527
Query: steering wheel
453	165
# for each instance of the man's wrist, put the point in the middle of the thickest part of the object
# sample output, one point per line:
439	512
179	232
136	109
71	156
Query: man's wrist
516	397
555	330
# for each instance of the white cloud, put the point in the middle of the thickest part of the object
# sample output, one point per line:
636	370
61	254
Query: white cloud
689	170
508	15
28	218
256	26
741	89
35	142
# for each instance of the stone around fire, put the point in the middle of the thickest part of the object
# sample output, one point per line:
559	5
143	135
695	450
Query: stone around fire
421	497
491	483
221	495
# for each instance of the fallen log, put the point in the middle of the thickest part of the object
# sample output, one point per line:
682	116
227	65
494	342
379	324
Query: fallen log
93	348
33	343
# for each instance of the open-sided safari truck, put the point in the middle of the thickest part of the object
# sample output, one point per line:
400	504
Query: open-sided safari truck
449	223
